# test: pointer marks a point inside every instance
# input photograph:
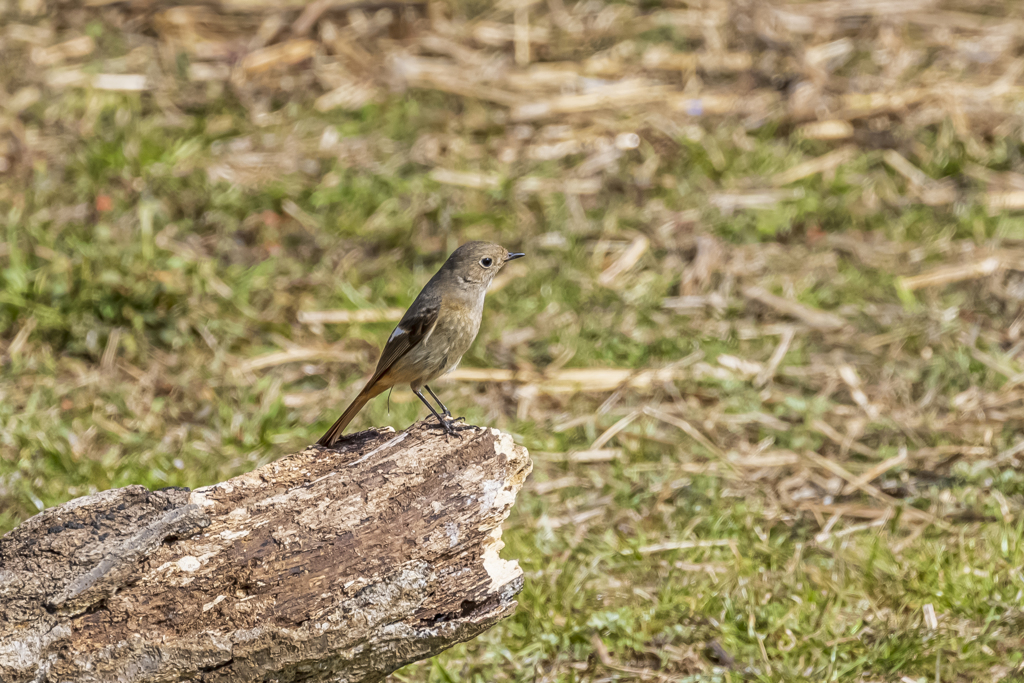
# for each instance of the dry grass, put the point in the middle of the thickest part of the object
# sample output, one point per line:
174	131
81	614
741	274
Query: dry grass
766	348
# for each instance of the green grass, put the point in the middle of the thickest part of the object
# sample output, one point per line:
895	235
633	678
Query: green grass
192	278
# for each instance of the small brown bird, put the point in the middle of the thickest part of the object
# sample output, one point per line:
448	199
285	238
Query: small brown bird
434	333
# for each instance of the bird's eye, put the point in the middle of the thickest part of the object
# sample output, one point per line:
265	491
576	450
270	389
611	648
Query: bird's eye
486	261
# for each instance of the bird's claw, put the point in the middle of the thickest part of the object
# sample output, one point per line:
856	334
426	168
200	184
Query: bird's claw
449	428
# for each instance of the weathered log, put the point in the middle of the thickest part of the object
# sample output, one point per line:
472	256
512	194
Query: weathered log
326	565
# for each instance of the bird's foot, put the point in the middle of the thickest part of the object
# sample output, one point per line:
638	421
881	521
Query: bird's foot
451	429
447	428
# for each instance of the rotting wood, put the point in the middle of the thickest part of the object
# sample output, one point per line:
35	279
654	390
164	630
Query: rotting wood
326	565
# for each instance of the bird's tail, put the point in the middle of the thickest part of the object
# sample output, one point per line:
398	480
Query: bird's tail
334	433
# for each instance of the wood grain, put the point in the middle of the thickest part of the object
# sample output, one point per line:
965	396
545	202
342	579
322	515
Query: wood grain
326	565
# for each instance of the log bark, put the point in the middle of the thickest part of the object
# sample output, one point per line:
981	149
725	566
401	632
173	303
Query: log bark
327	565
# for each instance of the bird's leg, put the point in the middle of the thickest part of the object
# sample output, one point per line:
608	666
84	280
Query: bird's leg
444	409
441	421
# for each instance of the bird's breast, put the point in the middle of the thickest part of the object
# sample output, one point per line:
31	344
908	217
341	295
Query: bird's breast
456	329
459	324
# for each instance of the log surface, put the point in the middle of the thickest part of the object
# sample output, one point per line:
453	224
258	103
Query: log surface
326	565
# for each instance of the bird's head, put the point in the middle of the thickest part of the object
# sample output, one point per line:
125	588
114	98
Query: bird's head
478	262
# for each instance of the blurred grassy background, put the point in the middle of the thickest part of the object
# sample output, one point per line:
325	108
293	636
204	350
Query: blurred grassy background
765	348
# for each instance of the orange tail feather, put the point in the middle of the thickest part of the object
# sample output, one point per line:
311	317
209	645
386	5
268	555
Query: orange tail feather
334	433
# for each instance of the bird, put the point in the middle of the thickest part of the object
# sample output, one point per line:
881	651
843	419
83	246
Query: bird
432	336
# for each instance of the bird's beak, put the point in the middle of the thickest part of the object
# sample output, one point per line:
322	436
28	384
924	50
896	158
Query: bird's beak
512	257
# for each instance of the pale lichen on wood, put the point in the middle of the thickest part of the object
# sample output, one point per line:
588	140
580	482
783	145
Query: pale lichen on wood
326	565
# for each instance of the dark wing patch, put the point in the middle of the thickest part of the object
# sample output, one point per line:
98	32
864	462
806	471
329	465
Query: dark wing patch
415	326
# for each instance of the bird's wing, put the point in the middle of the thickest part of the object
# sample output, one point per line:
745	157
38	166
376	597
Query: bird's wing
416	325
